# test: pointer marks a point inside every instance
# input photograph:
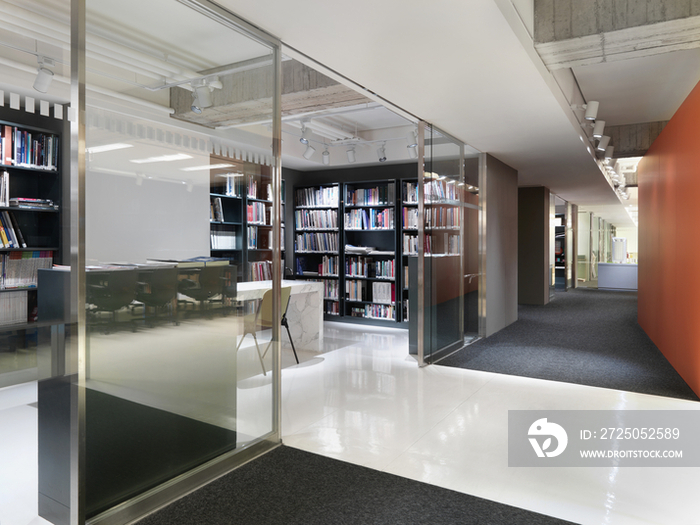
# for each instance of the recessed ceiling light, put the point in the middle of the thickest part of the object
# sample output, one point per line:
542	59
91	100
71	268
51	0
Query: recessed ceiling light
207	167
109	147
162	158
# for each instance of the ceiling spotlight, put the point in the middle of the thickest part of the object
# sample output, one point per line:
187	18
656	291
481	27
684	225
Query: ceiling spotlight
44	75
609	153
351	155
310	150
195	104
604	141
598	128
413	153
326	157
381	153
412	141
591	110
305	132
204	96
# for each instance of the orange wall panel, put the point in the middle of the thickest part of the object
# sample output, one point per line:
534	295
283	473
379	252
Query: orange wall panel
669	241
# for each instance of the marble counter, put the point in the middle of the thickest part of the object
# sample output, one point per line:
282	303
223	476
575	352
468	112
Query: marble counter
304	314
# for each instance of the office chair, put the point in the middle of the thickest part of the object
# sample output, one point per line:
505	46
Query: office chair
209	284
263	318
157	288
111	290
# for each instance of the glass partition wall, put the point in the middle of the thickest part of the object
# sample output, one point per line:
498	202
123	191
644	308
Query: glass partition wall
178	368
449	254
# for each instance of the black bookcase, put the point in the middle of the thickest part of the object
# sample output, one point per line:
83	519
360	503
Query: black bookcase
317	237
31	209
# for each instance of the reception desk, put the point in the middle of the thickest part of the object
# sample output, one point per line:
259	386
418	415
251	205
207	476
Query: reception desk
617	276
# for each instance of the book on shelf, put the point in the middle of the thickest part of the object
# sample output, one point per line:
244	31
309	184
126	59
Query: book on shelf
223	240
19	269
372	219
257	213
23	202
252	187
379	195
260	270
383	293
316	219
5	189
28	149
14	308
316	242
410	193
321	196
216	213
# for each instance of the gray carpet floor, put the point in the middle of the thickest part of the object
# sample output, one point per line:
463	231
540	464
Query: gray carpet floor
587	337
289	486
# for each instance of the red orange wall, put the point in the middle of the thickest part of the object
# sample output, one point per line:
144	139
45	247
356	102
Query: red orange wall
669	241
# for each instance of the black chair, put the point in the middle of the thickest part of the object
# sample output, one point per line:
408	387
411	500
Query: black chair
263	318
157	289
208	285
110	291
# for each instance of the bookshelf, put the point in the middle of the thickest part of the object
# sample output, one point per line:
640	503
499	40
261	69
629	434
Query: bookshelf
30	217
241	218
369	251
317	241
409	237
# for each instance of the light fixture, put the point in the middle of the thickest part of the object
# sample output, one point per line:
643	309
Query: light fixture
591	110
207	167
109	147
326	157
305	132
413	153
310	150
351	155
381	153
598	128
412	141
201	93
609	153
604	141
44	75
162	158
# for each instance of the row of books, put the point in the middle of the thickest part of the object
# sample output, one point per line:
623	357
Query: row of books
13	308
410	218
28	149
323	196
441	217
328	266
440	190
370	268
331	289
259	239
258	213
260	270
442	243
332	308
410	244
316	219
370	196
369	219
316	242
374	311
410	194
10	233
223	240
19	269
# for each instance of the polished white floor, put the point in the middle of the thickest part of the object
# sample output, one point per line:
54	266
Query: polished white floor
365	401
368	403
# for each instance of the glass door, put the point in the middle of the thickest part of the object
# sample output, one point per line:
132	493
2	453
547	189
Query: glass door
443	245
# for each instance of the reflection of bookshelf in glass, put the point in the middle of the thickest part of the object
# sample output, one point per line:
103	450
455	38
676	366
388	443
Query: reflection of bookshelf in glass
30	216
317	240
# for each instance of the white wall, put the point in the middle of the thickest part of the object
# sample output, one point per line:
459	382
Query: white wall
631	235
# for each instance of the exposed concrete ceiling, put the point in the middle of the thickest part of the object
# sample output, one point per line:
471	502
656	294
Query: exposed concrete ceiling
476	80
